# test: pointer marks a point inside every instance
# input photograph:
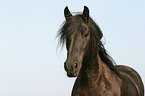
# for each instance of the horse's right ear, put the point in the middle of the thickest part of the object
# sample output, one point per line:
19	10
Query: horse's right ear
67	13
86	14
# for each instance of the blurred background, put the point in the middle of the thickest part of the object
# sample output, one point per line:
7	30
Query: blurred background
31	62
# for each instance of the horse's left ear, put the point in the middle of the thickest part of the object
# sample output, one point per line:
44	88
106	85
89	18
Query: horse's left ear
86	13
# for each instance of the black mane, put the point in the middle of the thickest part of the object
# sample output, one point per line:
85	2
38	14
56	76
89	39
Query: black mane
96	46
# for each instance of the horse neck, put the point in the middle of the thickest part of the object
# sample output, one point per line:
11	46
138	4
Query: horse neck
92	72
96	76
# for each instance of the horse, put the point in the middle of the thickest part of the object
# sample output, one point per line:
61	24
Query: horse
87	59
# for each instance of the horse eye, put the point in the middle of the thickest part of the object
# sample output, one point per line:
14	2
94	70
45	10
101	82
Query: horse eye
86	35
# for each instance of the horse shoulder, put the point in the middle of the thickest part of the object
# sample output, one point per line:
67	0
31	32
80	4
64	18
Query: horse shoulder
132	81
112	82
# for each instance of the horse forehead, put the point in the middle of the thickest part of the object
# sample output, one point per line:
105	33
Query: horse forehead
74	39
75	35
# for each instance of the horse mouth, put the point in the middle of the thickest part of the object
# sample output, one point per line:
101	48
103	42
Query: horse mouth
72	74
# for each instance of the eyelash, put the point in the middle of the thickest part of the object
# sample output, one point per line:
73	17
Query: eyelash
86	35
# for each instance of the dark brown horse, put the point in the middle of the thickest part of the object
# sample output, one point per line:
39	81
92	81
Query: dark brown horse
97	74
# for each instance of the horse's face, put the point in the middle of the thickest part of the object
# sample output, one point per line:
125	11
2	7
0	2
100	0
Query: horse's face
81	35
76	43
76	47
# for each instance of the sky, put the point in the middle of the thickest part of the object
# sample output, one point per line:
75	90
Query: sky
31	62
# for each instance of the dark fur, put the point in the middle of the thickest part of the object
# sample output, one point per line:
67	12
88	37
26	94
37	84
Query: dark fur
91	80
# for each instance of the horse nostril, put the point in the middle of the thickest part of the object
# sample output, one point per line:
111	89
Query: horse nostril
70	67
76	65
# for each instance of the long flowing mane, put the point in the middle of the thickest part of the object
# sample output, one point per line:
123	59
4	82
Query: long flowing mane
96	45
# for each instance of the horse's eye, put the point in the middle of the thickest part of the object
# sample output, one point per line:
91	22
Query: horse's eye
86	35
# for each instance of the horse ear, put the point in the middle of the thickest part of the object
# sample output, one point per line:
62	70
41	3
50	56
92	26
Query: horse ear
86	14
67	13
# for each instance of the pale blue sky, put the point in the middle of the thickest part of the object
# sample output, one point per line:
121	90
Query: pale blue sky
30	62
